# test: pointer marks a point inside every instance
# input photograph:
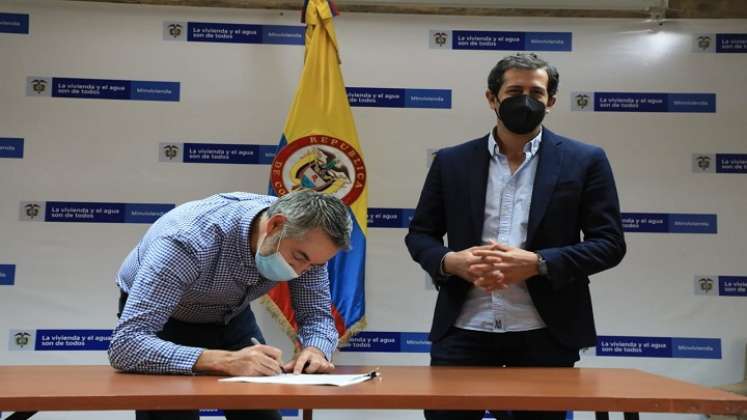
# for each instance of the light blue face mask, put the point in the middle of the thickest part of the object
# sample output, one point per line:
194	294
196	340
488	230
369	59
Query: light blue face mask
274	267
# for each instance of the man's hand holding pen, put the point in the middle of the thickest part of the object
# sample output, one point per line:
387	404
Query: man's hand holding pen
310	360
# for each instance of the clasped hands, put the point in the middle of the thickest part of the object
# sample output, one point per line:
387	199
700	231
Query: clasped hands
493	266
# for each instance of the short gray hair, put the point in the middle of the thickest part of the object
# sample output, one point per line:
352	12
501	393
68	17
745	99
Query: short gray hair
306	210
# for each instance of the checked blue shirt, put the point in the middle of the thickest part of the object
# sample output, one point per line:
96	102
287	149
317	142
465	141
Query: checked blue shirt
195	265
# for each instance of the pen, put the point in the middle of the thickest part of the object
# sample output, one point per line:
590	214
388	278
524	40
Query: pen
256	343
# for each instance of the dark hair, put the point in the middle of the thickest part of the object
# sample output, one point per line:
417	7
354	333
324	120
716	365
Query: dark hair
524	61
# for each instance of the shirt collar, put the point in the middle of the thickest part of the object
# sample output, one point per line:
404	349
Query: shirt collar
530	147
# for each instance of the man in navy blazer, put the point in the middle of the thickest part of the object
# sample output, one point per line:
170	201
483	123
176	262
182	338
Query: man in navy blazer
529	215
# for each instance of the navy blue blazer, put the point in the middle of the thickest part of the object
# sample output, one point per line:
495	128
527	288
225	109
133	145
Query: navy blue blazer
574	193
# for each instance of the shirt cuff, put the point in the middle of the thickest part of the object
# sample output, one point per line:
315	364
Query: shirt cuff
184	358
441	271
322	344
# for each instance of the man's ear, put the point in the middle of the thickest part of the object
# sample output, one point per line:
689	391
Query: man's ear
491	100
275	223
551	101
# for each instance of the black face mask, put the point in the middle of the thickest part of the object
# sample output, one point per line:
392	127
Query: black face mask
521	114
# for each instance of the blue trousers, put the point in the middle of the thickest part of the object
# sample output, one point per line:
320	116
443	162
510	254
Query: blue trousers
536	348
236	335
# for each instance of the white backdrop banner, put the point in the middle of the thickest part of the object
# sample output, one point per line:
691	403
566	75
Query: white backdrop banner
182	103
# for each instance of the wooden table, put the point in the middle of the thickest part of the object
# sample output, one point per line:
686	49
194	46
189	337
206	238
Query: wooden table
27	389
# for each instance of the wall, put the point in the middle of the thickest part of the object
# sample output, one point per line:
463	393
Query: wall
59	276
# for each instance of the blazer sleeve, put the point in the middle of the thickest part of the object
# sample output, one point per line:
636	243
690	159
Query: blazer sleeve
424	239
603	243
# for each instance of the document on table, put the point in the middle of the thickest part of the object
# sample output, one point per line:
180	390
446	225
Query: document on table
306	379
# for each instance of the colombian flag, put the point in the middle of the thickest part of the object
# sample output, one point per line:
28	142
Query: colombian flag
319	150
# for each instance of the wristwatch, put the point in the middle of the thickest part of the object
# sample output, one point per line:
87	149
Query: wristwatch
541	265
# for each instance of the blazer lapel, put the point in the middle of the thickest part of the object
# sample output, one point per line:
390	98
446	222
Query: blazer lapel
477	180
548	170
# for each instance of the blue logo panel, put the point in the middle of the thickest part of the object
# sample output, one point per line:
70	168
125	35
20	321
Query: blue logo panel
731	43
389	342
221	153
144	213
283	34
11	148
693	223
630	102
732	286
511	41
78	212
376	97
399	98
7	274
154	91
224	32
389	217
414	342
373	341
14	23
691	102
67	340
665	347
696	348
548	41
237	154
634	346
63	87
267	154
670	223
728	163
235	33
654	102
645	222
58	211
407	215
428	98
487	40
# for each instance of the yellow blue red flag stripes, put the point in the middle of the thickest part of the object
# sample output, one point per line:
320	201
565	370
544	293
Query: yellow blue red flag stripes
319	149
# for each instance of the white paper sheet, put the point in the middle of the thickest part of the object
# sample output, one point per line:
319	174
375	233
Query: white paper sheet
306	379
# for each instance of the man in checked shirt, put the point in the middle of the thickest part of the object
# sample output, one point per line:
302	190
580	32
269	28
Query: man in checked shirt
186	288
